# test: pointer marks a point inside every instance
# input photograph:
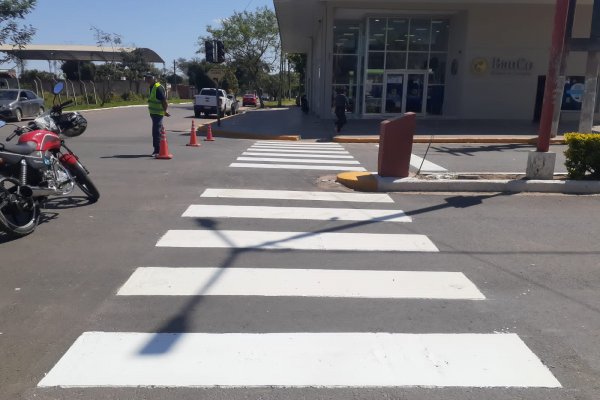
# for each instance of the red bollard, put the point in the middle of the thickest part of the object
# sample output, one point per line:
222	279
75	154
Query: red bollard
395	146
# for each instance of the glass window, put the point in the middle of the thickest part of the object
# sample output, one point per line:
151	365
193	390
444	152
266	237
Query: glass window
345	37
419	34
395	60
375	77
397	34
373	98
344	69
440	31
437	68
417	61
376	60
377	33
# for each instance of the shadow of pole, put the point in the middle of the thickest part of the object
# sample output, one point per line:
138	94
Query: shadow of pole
171	331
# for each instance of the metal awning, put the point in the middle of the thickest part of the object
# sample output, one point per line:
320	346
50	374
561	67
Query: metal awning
76	53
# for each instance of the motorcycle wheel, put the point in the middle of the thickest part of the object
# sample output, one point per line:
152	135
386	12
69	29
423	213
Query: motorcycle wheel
84	182
19	217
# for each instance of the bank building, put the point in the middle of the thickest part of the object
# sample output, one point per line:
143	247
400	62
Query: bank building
471	59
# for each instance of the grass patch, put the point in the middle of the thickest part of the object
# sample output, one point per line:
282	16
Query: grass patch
284	103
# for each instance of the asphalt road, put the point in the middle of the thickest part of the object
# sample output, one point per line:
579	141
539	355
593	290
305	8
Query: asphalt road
533	257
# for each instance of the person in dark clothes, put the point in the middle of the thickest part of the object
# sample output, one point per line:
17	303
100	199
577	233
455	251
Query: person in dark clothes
341	104
157	106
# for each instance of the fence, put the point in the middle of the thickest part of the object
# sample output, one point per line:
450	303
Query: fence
90	92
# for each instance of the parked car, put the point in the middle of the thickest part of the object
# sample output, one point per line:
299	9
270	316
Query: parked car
17	104
206	103
235	104
250	99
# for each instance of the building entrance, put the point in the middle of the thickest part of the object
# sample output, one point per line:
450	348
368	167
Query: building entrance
404	91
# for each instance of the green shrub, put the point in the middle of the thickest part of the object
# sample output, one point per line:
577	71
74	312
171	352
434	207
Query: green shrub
583	155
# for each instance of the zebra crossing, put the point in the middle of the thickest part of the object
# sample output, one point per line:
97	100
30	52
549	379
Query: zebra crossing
297	156
298	359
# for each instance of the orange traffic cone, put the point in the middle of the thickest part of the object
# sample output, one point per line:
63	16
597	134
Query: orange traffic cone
164	154
209	136
193	140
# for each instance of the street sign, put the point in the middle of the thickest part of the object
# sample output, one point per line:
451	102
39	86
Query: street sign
216	73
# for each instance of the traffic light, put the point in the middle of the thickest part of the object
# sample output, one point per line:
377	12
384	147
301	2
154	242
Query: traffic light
209	48
220	52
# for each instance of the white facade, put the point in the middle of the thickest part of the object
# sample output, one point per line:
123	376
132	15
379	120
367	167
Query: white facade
469	60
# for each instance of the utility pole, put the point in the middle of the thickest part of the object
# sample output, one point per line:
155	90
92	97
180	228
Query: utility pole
558	40
174	77
560	84
540	163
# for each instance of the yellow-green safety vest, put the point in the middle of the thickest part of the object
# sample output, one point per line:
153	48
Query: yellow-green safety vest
154	105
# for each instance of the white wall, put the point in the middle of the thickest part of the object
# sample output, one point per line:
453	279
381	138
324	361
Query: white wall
509	32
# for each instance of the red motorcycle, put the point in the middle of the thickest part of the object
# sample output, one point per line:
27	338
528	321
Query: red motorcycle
40	165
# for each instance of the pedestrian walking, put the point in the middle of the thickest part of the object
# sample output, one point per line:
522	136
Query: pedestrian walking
157	106
341	104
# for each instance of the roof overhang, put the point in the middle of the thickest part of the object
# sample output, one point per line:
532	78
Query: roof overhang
298	19
76	53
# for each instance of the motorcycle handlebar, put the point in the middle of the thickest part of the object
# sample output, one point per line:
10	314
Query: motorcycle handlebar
62	105
16	132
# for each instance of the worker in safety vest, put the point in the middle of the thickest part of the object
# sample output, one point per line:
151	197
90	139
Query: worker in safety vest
157	106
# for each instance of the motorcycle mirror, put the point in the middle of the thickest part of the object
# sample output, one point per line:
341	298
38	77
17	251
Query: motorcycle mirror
2	123
58	88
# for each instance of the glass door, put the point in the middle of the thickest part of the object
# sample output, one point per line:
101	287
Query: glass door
415	88
404	92
394	93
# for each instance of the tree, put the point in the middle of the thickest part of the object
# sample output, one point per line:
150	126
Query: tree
251	42
174	79
134	66
10	31
109	70
196	71
32	74
298	61
79	70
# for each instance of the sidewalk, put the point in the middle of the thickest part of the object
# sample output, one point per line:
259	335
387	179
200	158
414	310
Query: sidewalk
292	124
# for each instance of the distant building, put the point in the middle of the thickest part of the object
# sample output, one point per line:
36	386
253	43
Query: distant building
470	59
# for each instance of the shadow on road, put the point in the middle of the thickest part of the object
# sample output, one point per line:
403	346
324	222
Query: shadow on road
162	342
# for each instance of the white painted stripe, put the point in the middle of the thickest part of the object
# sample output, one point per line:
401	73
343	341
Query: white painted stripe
296	240
310	213
416	161
311	148
287	143
298	195
292	166
307	151
308	155
298	160
162	281
130	359
298	146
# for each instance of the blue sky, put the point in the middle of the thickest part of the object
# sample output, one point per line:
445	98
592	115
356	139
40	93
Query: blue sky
171	28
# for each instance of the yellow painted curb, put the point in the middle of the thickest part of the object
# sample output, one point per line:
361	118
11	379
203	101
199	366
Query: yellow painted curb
246	135
361	181
449	139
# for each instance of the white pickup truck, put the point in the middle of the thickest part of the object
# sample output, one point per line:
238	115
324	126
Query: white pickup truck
206	102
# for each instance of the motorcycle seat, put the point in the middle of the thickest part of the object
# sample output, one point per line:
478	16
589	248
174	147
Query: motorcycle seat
24	149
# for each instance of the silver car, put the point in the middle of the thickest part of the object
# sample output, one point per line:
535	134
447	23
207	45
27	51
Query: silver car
18	104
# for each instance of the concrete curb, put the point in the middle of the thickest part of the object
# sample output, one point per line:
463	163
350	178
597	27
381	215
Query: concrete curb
246	135
372	182
449	139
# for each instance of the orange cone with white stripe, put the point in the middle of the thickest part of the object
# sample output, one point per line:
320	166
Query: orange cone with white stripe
209	135
193	140
164	154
